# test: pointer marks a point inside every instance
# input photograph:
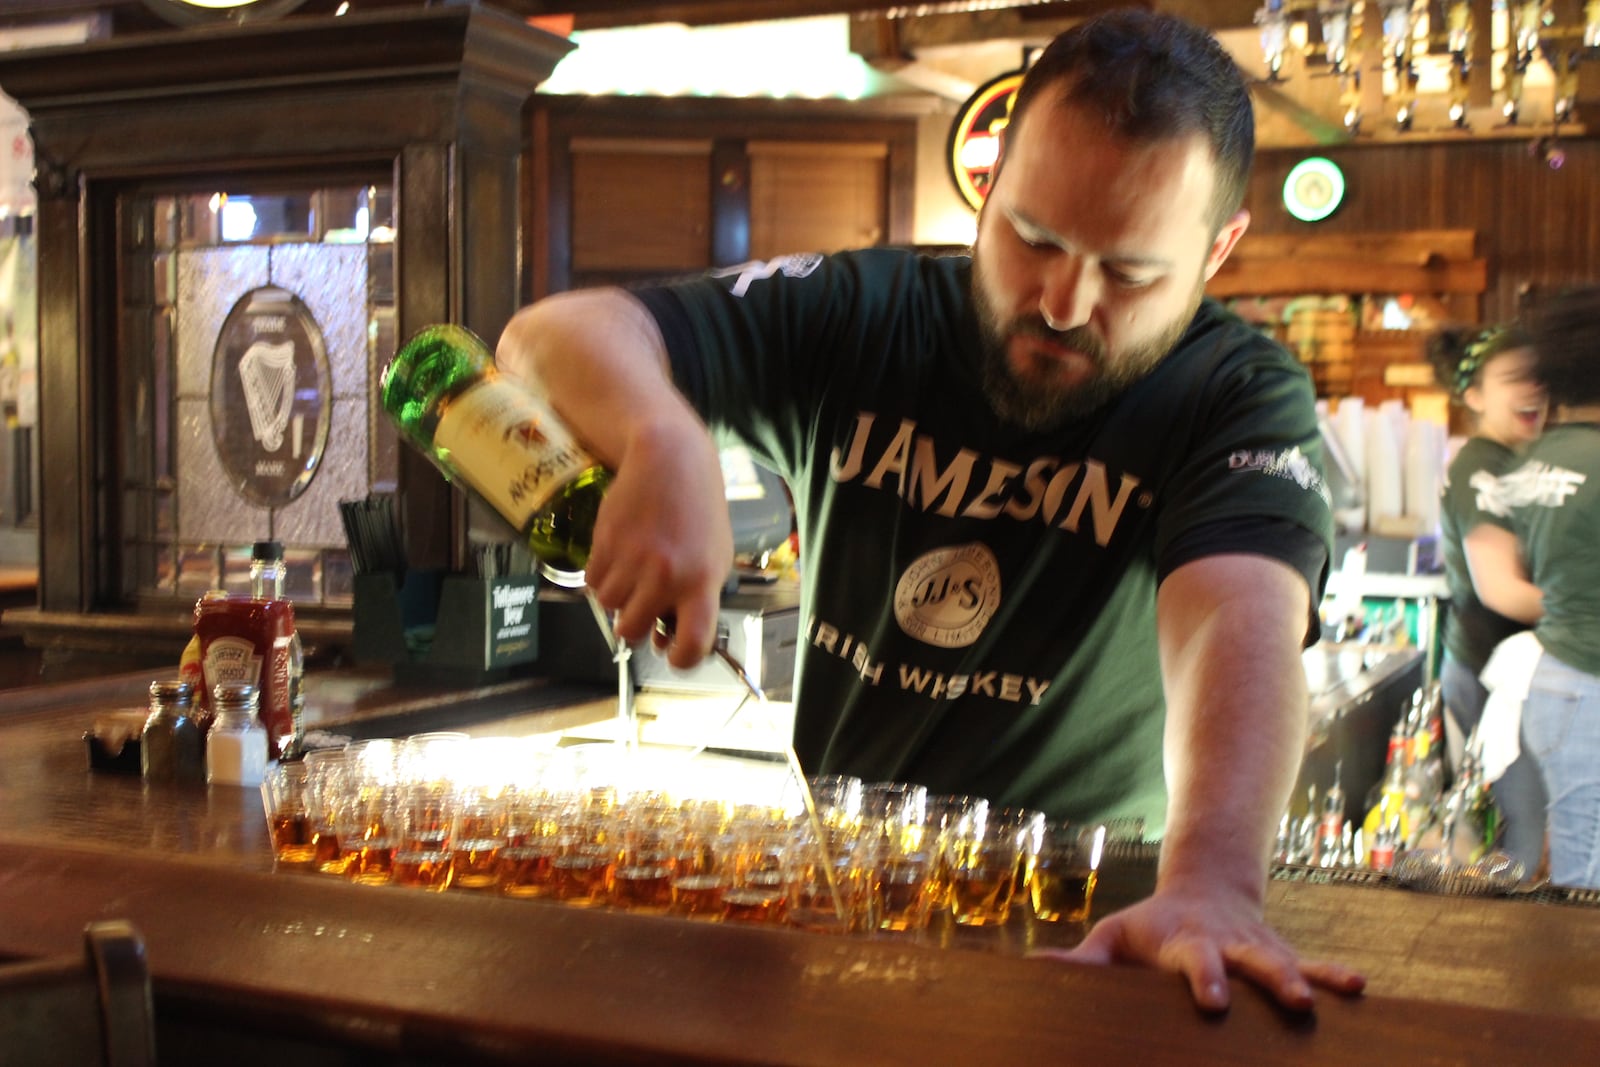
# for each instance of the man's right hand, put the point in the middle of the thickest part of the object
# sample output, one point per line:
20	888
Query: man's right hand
663	542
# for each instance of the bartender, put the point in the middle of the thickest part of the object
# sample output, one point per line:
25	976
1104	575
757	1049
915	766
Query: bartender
1061	518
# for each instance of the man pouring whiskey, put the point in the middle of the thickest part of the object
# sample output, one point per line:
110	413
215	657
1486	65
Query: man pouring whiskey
1062	519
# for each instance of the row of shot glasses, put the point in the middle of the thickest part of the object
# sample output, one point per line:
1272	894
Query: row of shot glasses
583	827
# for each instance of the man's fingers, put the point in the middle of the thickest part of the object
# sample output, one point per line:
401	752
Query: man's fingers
1199	961
1098	947
1334	977
695	632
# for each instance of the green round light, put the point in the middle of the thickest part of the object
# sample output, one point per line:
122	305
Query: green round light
1313	189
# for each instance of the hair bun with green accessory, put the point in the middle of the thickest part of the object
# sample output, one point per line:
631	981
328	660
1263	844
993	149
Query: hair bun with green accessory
1480	346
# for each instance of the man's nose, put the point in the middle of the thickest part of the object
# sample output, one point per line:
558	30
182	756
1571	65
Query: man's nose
1069	294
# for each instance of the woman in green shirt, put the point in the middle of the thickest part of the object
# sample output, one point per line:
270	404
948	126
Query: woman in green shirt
1554	499
1490	372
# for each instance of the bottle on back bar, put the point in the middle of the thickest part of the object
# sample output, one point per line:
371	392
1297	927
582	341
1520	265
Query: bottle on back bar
502	441
1331	823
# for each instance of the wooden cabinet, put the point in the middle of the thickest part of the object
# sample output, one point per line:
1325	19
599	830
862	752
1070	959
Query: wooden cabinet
816	195
1306	289
622	188
639	204
426	103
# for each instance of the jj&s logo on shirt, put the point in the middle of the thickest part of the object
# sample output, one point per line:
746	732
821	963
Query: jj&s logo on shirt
948	596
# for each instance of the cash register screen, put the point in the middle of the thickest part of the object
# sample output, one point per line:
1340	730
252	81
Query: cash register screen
758	503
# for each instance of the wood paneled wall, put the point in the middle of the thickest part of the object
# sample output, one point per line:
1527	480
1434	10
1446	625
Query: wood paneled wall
1538	228
621	189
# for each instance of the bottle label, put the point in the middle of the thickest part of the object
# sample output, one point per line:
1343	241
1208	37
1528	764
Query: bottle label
247	640
231	659
510	447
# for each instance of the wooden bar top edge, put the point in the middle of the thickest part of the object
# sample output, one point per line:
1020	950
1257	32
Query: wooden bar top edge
488	979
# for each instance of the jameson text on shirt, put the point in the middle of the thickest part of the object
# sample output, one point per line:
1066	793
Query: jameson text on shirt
1073	496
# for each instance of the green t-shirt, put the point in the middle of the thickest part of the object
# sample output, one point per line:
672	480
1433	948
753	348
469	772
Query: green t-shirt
1554	499
978	601
1473	629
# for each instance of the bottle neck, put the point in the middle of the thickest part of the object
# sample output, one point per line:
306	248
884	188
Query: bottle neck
266	580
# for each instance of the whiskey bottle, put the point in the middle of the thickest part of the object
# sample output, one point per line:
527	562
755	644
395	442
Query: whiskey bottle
1332	822
497	438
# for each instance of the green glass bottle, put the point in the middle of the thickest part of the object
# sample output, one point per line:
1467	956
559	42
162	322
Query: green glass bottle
490	433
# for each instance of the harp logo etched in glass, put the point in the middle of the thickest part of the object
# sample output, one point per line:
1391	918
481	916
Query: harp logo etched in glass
270	396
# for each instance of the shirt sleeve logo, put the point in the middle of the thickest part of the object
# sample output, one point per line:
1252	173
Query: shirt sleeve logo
793	266
947	597
1290	464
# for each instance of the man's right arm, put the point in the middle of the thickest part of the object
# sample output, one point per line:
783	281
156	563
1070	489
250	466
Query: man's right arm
662	541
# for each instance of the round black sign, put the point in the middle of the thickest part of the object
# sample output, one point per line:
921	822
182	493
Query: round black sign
270	396
974	147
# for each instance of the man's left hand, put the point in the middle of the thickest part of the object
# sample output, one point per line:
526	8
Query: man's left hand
1206	939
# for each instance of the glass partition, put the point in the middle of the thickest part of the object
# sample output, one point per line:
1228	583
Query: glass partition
254	323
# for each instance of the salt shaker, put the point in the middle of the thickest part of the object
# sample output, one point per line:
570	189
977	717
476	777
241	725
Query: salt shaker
236	747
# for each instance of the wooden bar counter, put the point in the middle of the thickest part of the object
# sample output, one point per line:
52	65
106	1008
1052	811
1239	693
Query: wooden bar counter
251	965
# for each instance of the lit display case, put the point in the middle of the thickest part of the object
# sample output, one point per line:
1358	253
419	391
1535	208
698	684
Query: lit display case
236	221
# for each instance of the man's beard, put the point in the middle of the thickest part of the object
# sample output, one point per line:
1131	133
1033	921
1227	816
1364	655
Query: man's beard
1042	405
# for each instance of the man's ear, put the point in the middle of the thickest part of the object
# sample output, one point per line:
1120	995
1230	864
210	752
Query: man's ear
1222	244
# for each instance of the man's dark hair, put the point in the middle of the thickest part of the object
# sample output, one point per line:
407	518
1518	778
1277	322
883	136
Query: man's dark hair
1153	76
1566	341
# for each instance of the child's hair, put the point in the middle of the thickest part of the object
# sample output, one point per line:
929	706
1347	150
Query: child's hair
1566	341
1458	353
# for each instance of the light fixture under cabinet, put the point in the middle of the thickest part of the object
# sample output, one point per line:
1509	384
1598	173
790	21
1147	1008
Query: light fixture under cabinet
193	12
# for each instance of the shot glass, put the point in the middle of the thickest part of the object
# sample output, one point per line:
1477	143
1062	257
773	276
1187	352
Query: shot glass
982	855
1062	886
649	838
699	896
822	887
1030	826
527	870
426	814
328	782
894	805
581	875
289	818
753	903
367	828
477	834
837	798
421	869
899	865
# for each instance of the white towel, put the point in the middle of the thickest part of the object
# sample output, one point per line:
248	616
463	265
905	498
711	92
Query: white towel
1507	676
